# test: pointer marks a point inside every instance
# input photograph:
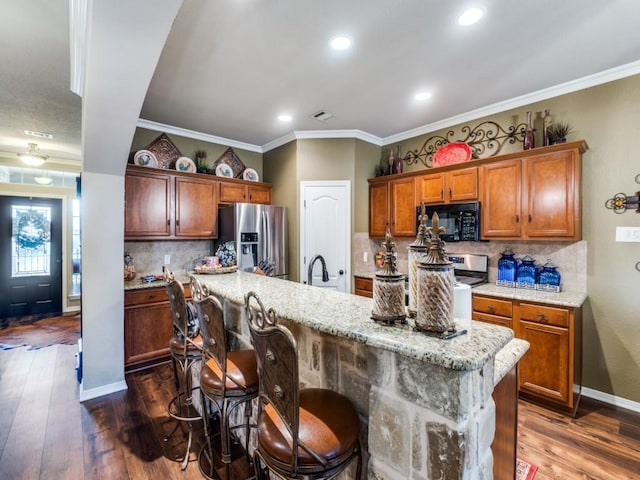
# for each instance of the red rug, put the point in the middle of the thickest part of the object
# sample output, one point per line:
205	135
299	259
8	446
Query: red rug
525	470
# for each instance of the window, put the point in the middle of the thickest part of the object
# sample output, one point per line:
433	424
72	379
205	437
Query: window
30	241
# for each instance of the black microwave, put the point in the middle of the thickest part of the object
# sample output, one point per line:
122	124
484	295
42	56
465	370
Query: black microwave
460	220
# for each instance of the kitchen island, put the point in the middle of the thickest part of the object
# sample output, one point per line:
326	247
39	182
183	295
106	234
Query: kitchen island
426	404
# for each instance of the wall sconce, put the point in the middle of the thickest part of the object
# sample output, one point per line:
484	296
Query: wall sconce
621	202
32	157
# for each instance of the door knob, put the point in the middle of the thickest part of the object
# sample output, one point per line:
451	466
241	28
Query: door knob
341	272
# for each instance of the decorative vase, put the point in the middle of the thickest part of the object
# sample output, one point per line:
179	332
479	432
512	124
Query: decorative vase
435	286
398	168
546	128
392	162
417	250
388	288
529	140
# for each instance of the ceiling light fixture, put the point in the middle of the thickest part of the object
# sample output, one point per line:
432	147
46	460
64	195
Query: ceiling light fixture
285	118
470	16
421	96
340	42
31	157
43	180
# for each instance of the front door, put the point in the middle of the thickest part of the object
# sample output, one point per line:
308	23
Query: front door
325	229
30	256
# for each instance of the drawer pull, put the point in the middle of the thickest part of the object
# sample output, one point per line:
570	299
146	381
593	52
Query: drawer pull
542	316
491	308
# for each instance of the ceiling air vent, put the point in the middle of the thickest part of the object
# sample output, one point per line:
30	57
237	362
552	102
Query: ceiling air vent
322	115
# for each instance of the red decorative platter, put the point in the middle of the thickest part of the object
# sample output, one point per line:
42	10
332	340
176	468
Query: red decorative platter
455	152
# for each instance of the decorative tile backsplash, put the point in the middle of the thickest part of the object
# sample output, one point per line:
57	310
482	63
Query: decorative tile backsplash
571	258
148	257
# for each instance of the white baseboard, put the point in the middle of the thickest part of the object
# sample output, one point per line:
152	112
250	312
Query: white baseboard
611	399
100	391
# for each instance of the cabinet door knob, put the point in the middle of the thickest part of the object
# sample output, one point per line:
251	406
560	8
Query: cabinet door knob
529	218
517	218
450	193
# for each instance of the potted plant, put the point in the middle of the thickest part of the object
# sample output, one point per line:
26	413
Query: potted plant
201	162
558	132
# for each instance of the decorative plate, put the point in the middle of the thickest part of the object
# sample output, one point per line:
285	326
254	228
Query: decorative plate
251	175
455	152
230	158
185	164
145	158
224	170
165	151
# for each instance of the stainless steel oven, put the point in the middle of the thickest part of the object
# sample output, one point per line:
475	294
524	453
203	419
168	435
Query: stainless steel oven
461	220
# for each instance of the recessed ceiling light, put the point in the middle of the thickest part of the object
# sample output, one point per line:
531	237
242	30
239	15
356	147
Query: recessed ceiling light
285	118
340	42
421	96
31	133
470	16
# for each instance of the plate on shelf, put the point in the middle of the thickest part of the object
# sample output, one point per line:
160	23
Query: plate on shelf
224	170
145	158
185	164
455	152
251	175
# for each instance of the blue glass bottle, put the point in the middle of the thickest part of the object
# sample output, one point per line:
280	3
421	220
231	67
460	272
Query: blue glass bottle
526	275
507	267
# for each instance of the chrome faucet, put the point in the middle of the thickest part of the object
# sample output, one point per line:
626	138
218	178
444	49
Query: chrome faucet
325	274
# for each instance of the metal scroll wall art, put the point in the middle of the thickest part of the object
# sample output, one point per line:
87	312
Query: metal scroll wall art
485	139
622	202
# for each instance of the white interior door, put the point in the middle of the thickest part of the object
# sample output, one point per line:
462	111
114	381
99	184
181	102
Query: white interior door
325	229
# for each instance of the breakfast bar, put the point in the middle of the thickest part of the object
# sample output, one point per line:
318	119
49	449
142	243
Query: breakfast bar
425	404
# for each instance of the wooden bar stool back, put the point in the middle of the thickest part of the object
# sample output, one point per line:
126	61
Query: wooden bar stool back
308	433
185	346
228	378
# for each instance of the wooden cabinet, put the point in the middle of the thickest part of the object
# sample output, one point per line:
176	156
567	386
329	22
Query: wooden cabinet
505	440
535	197
392	203
244	192
160	205
551	370
363	286
460	185
147	325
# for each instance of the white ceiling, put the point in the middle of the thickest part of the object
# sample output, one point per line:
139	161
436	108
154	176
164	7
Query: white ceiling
229	67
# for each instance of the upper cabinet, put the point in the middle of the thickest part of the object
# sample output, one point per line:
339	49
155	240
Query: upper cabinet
460	185
529	195
392	204
238	191
535	197
162	205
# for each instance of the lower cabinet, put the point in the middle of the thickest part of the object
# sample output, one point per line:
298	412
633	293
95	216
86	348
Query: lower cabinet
148	326
551	370
363	286
505	439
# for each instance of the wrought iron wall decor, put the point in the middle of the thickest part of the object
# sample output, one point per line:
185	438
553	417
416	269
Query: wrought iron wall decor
485	139
622	202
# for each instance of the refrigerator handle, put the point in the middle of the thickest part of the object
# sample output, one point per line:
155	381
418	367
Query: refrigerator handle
265	236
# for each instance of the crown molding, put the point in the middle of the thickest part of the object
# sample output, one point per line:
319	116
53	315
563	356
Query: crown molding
205	137
605	76
77	42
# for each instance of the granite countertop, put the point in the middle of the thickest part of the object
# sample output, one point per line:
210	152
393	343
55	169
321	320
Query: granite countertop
348	316
565	299
138	284
508	357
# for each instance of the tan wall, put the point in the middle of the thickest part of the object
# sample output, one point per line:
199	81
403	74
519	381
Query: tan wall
188	147
607	117
366	158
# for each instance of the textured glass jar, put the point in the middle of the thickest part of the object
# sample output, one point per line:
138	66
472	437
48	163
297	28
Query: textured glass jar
549	275
417	250
388	288
507	267
526	272
435	286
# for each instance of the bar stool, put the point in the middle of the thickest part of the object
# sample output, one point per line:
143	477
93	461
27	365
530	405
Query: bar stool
228	379
308	433
186	349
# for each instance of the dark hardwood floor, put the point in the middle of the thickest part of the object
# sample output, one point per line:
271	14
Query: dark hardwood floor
46	433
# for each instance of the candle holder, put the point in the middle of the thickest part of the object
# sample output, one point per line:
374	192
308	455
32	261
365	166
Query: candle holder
435	286
388	288
417	250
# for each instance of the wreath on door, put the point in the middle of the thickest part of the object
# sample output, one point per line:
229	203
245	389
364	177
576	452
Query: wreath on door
33	229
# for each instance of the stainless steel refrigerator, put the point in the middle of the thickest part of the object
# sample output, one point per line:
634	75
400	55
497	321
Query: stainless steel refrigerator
260	236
